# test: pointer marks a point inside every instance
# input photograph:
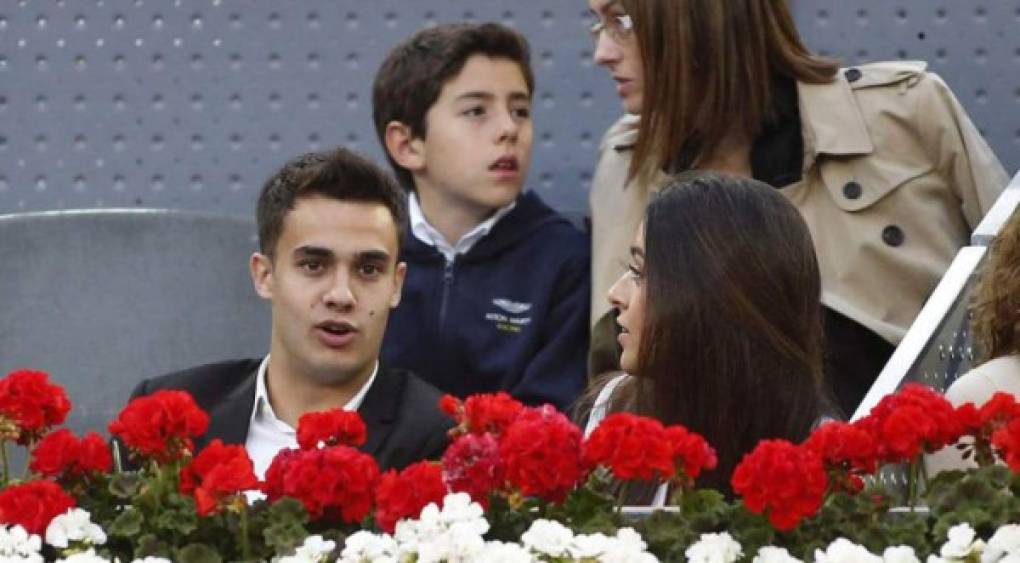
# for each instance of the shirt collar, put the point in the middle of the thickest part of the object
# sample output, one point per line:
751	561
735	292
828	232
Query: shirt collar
426	233
832	121
264	408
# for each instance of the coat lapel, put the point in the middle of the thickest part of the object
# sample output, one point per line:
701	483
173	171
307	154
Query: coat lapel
229	420
380	407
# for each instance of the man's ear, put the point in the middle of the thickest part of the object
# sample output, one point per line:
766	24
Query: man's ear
407	150
398	275
261	267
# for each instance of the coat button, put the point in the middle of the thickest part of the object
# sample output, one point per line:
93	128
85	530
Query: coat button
852	190
893	235
852	74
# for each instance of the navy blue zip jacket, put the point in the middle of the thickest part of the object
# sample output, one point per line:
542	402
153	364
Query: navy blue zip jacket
511	314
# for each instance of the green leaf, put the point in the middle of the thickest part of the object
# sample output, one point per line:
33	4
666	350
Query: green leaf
181	520
125	485
285	535
706	509
588	511
282	524
506	523
148	545
197	553
286	508
667	534
128	524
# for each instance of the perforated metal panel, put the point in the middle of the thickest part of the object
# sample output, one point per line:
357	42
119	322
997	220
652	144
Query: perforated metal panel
190	104
973	44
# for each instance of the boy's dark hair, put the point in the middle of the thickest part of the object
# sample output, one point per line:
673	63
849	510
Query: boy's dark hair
338	174
409	81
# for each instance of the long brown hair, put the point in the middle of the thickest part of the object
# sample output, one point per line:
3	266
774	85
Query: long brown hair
709	67
996	307
731	342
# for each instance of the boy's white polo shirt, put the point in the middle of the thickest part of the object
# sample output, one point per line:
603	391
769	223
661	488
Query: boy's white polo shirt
425	232
267	434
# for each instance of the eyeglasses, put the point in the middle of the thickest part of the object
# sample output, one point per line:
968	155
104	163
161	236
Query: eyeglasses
618	27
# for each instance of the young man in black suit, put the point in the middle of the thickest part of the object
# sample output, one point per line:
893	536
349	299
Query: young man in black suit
329	230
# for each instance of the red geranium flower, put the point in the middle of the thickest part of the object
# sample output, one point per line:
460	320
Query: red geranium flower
782	479
1000	410
969	418
471	464
217	472
632	447
61	454
403	495
486	412
913	420
981	424
335	427
161	425
692	451
847	451
333	483
541	453
1007	442
33	505
32	404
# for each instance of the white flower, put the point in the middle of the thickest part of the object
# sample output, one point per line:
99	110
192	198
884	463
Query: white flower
407	535
588	545
772	554
152	560
75	525
458	507
89	556
627	547
16	544
900	554
1011	558
845	551
365	546
313	550
1006	539
714	548
961	544
548	537
630	539
499	552
460	543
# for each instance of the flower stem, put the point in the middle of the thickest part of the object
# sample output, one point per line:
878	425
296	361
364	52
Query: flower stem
245	544
913	478
621	498
7	472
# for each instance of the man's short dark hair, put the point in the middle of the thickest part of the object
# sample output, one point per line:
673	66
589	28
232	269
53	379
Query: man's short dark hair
410	79
339	174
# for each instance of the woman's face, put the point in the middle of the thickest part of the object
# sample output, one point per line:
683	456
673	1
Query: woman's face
616	48
628	297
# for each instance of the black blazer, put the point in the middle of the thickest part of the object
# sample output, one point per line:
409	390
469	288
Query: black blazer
400	410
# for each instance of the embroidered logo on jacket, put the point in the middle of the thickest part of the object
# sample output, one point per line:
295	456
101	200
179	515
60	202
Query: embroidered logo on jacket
509	320
512	307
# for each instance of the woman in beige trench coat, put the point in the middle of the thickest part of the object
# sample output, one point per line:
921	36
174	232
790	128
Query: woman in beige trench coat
881	160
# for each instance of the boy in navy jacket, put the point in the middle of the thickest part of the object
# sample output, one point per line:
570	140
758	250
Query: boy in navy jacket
497	288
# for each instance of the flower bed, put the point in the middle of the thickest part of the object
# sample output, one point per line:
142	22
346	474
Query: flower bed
516	484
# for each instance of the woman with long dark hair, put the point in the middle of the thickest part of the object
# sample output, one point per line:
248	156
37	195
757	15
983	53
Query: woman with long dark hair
880	159
721	319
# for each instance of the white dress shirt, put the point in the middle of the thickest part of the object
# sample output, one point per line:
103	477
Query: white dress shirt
267	434
425	232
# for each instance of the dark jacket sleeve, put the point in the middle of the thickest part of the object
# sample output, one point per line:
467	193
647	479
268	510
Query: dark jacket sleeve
557	373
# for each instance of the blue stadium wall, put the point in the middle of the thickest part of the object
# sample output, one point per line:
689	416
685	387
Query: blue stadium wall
190	104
